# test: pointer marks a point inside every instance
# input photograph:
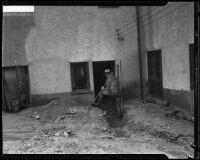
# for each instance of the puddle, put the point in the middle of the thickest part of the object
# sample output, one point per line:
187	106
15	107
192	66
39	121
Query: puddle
117	125
115	122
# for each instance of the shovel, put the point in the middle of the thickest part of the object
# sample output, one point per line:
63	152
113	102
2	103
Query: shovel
97	96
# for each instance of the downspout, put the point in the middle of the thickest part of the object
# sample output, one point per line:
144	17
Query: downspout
139	52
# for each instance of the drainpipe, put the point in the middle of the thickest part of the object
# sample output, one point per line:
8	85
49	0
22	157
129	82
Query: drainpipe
139	52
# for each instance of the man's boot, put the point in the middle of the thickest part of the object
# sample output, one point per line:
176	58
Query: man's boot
98	100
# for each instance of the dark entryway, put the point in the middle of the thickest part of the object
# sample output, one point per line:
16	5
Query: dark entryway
98	73
155	81
193	64
193	74
15	88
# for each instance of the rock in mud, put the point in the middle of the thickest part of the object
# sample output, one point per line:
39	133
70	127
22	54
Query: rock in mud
57	134
37	117
166	103
151	99
178	115
69	132
65	134
72	111
62	117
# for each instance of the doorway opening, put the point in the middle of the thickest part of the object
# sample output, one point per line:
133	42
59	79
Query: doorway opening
193	75
98	73
15	88
155	80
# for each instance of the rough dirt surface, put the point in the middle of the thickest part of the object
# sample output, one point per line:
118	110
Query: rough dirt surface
64	126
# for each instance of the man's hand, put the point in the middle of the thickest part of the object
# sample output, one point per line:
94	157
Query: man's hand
102	87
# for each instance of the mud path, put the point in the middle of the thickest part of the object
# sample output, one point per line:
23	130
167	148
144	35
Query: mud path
68	127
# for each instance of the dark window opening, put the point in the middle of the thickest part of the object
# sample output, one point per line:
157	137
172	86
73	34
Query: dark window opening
155	81
80	76
98	72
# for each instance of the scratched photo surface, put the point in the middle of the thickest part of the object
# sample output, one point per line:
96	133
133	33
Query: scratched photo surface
98	79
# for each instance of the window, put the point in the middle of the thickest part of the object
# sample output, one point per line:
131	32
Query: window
80	76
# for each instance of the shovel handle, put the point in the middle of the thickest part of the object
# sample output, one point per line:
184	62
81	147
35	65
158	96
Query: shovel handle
97	95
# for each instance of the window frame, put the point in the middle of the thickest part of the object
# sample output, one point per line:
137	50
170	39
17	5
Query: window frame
86	90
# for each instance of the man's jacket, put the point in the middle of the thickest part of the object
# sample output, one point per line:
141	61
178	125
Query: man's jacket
112	84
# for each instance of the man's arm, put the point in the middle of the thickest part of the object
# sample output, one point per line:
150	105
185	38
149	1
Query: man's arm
104	86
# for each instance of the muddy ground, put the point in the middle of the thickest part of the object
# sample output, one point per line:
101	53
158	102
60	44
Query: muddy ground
65	126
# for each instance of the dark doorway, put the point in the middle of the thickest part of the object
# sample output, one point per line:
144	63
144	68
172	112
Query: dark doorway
155	81
98	73
15	87
193	64
193	74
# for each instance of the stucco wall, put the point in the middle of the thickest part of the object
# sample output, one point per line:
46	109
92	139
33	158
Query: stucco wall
171	30
82	33
15	31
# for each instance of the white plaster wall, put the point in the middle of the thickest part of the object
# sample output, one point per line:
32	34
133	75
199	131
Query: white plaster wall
175	61
77	33
172	33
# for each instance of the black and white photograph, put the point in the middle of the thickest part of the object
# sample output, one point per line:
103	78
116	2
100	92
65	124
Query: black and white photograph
100	79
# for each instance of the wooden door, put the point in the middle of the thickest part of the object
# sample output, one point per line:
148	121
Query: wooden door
15	87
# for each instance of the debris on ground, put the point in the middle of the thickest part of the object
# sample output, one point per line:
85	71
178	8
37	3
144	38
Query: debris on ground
72	111
151	99
67	127
62	117
159	122
179	115
35	113
66	134
57	134
37	117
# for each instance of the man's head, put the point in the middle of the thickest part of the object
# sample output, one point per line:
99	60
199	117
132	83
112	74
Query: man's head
108	72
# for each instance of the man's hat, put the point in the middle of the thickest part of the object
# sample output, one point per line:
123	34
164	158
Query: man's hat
107	71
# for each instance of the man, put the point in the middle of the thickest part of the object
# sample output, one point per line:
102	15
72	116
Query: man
110	88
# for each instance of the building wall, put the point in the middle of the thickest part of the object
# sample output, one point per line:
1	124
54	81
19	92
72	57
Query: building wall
55	36
171	30
64	34
16	27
